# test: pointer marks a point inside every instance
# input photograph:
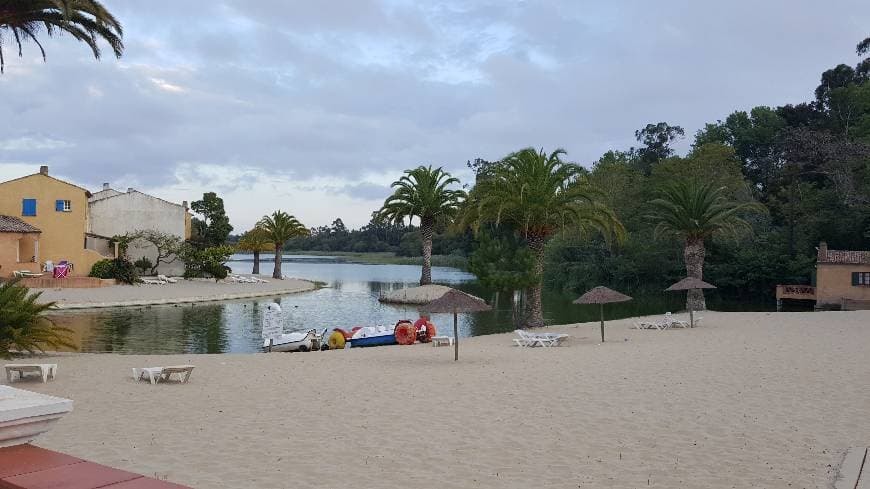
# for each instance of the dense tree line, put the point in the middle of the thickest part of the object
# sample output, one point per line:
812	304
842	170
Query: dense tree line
380	236
807	164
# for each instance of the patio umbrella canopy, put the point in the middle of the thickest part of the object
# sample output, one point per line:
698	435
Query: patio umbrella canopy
456	301
601	295
690	283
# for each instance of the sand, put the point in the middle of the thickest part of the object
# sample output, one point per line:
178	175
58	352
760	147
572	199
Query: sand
184	291
763	400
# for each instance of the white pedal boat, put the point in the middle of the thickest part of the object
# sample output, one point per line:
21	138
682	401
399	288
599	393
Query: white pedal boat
296	341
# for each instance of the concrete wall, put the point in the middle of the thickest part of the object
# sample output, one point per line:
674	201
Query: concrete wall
834	283
63	233
135	211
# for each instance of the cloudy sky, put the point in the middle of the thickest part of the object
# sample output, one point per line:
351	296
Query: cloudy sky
315	107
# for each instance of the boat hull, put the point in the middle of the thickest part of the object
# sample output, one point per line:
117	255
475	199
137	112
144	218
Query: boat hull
286	343
387	339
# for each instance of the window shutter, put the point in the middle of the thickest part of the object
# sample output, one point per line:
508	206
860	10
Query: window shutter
854	278
58	205
28	207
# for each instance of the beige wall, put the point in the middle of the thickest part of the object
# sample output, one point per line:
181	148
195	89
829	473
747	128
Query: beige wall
834	283
15	254
63	233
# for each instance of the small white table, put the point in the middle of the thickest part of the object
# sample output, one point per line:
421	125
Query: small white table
45	370
442	341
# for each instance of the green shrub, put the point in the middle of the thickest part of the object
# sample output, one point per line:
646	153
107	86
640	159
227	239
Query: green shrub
102	269
119	269
208	262
23	326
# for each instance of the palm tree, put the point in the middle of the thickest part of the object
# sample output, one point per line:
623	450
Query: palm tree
695	212
255	240
538	194
23	325
280	227
423	193
85	20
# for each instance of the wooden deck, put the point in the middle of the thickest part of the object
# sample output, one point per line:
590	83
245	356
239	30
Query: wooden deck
31	467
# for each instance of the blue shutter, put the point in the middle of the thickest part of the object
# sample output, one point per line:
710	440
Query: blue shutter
854	278
58	205
28	207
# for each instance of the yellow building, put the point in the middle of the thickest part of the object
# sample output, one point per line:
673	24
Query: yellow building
59	211
842	278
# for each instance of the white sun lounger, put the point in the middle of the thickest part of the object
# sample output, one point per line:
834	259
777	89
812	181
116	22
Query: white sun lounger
166	279
157	374
539	339
45	370
442	341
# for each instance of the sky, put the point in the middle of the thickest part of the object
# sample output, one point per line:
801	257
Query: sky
314	108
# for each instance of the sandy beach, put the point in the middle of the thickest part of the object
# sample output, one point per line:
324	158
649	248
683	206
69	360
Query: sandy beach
748	400
184	291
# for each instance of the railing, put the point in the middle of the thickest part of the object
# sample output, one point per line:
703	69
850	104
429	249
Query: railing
796	292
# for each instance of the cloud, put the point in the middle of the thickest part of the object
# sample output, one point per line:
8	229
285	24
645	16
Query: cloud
271	100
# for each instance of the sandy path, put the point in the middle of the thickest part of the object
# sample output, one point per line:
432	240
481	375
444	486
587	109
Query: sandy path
766	400
185	291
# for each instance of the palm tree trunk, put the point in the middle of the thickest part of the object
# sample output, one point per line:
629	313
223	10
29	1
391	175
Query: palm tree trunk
277	272
535	307
694	256
256	270
426	226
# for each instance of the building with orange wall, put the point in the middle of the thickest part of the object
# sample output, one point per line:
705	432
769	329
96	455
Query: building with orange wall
59	211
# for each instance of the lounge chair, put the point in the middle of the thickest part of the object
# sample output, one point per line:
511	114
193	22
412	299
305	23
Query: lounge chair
166	279
26	274
157	374
442	341
45	370
153	281
539	339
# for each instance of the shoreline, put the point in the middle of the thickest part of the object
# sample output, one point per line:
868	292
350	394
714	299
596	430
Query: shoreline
183	292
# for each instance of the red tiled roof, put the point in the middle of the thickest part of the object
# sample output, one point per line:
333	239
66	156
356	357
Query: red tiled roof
846	257
9	224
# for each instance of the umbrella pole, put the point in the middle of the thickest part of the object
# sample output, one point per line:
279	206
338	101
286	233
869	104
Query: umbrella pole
601	306
691	317
455	338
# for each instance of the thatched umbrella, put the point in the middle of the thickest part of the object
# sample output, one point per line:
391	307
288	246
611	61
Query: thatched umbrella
456	301
601	295
691	283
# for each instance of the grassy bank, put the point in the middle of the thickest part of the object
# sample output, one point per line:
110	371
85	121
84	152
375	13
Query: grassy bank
388	258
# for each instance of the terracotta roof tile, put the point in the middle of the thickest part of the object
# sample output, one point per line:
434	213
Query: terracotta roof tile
9	224
847	257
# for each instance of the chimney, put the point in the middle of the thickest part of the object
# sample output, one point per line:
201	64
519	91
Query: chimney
43	170
184	204
129	189
106	186
823	252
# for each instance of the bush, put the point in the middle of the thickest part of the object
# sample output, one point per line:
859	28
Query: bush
102	269
143	264
23	327
119	269
208	262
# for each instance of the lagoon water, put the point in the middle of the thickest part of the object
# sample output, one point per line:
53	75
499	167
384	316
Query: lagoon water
348	299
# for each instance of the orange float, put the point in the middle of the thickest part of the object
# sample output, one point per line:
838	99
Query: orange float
406	333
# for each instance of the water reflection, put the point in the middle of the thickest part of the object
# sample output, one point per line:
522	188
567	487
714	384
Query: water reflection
350	299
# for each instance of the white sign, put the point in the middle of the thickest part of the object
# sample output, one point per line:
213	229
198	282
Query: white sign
273	321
